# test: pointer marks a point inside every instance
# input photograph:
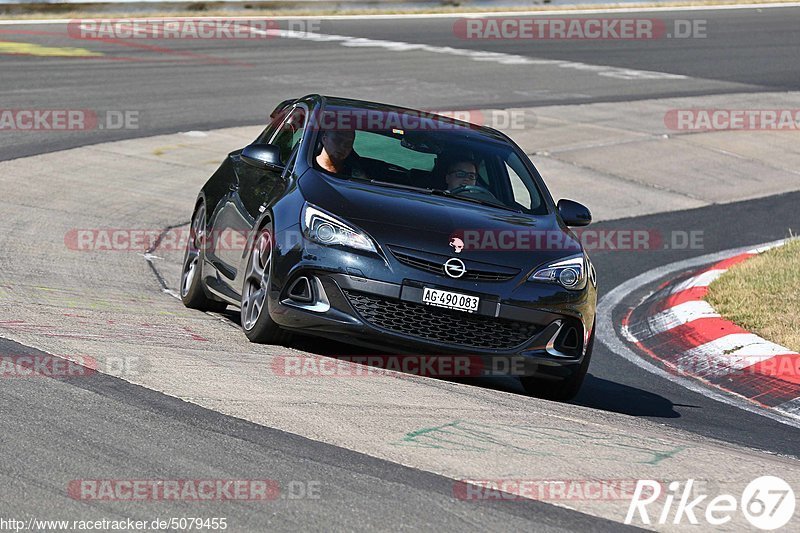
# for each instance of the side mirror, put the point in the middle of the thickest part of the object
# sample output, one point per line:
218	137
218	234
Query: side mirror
573	213
263	156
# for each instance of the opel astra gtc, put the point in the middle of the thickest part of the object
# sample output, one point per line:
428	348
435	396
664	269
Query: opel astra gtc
397	230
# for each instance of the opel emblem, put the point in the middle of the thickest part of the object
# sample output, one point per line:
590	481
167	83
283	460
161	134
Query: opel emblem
455	268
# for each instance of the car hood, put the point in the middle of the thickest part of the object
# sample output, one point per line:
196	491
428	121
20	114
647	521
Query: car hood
408	220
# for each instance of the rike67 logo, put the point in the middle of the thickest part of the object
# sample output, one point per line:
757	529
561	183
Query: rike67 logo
767	503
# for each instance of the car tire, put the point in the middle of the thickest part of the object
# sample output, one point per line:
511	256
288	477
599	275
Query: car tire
192	293
257	325
560	390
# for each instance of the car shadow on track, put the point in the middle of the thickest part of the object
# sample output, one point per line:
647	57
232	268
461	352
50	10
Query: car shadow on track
596	393
605	395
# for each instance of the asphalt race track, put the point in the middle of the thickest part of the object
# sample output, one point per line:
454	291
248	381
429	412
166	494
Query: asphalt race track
183	85
207	414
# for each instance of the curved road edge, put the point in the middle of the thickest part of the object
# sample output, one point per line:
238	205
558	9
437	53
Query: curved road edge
618	339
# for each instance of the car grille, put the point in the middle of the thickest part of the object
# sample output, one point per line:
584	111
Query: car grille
441	325
437	267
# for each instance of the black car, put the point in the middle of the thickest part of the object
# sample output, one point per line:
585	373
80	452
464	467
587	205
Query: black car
397	230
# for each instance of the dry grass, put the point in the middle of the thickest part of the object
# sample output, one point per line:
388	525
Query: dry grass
69	11
762	295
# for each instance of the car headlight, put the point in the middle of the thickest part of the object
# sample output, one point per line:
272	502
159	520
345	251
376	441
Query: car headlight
324	228
570	273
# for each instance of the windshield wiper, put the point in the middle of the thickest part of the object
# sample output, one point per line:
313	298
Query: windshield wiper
399	186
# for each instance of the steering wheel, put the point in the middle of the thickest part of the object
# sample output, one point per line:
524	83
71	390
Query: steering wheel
476	192
472	189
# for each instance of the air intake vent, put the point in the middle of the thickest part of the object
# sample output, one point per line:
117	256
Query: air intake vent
441	325
570	341
300	291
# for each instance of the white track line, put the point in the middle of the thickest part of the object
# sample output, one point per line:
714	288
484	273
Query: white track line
791	407
728	354
608	335
673	317
701	280
474	14
475	55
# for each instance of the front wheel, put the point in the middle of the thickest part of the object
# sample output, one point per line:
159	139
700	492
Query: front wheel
258	326
561	390
192	293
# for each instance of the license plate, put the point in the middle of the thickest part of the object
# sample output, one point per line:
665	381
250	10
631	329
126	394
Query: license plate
450	300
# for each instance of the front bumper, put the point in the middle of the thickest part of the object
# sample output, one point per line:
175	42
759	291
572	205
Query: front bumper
375	301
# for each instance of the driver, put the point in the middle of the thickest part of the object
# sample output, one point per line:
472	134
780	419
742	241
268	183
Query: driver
461	173
337	155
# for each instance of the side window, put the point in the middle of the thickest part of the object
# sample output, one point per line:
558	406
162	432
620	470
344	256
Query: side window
483	173
522	194
289	134
271	128
518	189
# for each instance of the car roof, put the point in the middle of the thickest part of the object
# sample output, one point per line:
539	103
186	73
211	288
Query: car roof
351	103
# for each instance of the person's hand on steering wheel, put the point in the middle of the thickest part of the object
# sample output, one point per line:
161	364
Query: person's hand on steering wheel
471	189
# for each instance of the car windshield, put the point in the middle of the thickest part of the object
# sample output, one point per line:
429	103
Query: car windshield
429	154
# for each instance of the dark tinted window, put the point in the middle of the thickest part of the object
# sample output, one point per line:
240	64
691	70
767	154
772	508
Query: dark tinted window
290	133
434	154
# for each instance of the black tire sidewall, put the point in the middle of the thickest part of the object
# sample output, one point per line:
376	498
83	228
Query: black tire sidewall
196	297
265	330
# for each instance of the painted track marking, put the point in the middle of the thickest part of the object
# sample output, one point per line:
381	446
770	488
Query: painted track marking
475	55
612	339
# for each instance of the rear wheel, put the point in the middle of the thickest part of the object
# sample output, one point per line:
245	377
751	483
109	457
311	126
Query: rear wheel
258	326
192	293
560	390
